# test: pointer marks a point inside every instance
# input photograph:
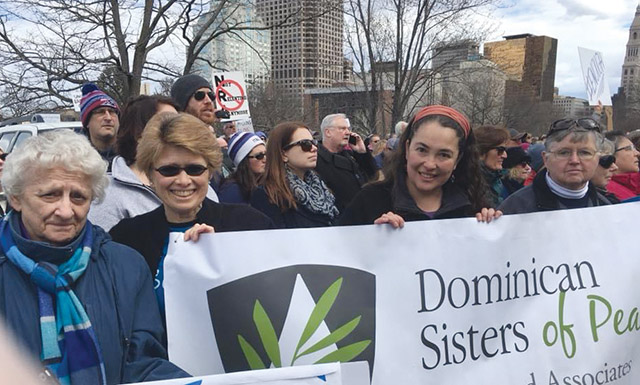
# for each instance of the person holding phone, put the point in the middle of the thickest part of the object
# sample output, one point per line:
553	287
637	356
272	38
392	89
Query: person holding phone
293	195
344	163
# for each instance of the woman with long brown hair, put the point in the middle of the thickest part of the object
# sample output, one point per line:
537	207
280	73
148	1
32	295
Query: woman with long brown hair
293	195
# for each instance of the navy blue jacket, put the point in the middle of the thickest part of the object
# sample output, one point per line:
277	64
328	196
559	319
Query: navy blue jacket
117	294
296	218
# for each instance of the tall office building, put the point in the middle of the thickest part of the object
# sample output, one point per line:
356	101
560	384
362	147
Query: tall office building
631	66
244	50
530	63
306	54
448	56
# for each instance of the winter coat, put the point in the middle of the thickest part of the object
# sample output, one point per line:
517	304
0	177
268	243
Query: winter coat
539	197
118	297
300	217
230	192
345	173
379	198
147	233
126	197
625	186
496	188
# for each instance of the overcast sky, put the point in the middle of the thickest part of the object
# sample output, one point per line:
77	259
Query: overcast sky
595	24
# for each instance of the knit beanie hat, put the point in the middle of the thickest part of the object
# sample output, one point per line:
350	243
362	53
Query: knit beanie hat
241	144
93	98
515	156
185	87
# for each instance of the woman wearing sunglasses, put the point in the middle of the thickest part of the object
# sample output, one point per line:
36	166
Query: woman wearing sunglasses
129	192
249	154
179	153
605	170
293	195
517	167
625	183
434	174
492	143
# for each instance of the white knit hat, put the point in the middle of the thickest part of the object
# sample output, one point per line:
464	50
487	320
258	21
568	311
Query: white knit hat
241	144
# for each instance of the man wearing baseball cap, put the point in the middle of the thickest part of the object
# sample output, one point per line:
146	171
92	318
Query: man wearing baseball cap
100	116
194	95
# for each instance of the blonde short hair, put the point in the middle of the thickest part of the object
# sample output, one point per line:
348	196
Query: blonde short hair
180	130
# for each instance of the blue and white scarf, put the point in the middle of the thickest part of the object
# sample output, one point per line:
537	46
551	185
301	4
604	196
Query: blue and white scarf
312	193
70	348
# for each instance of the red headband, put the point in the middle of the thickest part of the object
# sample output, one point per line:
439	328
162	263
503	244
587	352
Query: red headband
445	111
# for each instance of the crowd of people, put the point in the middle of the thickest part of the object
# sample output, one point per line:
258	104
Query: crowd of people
88	218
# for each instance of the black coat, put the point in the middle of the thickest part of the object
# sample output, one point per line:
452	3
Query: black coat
300	217
539	197
345	173
380	198
147	233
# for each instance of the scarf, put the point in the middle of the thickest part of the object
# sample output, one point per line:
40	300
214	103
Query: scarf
564	192
70	348
312	193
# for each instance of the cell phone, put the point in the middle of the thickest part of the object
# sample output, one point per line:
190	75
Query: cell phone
353	139
223	114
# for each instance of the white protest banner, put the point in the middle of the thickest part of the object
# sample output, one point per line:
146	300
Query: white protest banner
76	97
324	374
543	298
231	95
594	76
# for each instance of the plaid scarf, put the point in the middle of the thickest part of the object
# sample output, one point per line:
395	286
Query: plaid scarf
69	346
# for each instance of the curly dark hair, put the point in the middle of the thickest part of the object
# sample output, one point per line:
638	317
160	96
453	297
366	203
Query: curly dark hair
467	174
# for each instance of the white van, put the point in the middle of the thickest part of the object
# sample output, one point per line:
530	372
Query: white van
11	136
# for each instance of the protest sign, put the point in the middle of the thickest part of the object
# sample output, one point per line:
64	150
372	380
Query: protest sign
231	95
543	298
324	374
594	76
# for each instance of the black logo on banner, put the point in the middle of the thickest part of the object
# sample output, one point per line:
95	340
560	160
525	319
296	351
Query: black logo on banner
295	315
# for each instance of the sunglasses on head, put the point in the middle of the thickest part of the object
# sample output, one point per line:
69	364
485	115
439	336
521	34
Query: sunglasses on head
190	169
258	156
199	95
305	144
565	124
500	149
606	161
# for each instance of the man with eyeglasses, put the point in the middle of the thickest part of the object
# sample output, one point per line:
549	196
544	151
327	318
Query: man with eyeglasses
194	95
625	182
571	157
344	171
100	116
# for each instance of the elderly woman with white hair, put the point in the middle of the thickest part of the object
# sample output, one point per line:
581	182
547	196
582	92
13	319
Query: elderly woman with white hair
80	303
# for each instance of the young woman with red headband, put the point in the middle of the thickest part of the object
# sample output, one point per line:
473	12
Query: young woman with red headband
435	174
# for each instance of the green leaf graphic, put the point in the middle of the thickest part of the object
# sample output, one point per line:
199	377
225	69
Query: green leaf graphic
319	313
345	354
267	334
250	354
336	336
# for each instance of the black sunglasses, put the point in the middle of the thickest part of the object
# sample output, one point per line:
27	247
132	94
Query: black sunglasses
258	156
500	149
4	155
305	144
606	161
565	124
199	95
190	169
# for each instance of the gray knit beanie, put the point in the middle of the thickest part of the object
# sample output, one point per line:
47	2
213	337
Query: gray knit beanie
185	87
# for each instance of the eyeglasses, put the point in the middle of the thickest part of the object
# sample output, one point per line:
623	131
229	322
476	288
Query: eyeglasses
190	169
606	161
500	149
566	153
626	148
258	156
4	155
199	95
565	124
305	144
